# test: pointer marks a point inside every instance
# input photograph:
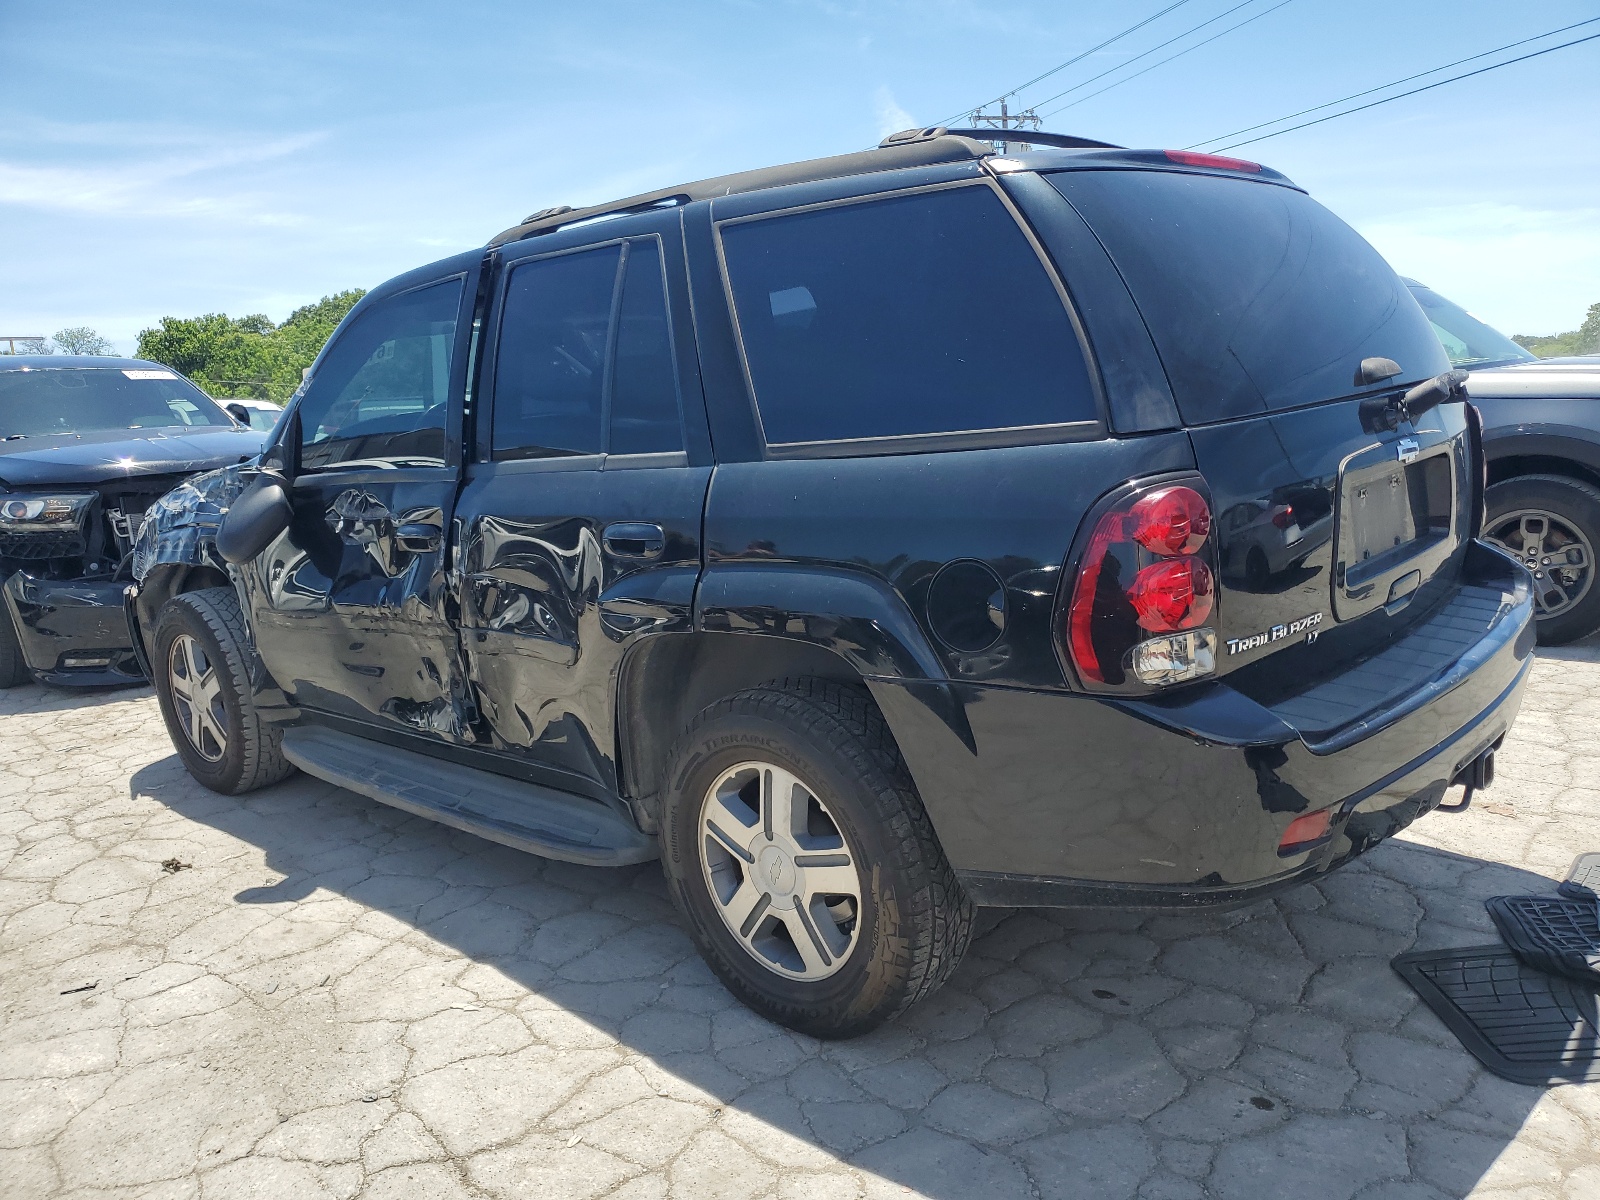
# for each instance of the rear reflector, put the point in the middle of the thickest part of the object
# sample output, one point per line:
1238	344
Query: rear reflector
1222	163
1303	831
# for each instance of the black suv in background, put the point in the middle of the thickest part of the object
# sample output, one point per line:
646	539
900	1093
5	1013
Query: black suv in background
87	444
1541	436
870	538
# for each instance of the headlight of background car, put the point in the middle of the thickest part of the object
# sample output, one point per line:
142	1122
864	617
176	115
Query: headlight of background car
42	514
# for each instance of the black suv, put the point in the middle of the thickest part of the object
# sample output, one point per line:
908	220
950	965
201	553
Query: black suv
870	538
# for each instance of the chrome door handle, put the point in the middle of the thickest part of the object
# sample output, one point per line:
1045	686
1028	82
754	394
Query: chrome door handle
634	539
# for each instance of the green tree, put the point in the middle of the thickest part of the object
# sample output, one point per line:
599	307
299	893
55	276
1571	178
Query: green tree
1583	340
80	339
247	356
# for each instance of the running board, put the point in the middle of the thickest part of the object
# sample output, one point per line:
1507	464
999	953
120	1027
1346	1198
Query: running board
524	816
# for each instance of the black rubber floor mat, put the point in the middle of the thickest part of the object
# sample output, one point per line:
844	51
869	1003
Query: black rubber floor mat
1583	879
1522	1024
1551	933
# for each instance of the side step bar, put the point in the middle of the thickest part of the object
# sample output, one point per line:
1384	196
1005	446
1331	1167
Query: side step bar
524	816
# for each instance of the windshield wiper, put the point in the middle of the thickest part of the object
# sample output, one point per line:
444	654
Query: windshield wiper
15	437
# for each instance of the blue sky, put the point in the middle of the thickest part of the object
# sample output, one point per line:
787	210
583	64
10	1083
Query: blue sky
180	158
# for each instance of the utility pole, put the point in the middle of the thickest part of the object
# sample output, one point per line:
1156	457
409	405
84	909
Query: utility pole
1003	120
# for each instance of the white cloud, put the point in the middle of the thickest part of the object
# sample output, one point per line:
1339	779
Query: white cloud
890	116
163	186
1523	270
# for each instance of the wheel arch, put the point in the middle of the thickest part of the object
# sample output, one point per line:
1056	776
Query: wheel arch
1514	454
665	680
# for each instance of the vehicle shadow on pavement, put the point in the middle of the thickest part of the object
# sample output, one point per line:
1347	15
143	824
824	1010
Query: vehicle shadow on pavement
38	698
552	1024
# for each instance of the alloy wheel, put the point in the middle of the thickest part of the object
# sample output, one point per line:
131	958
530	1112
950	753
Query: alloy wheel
197	695
1560	557
780	873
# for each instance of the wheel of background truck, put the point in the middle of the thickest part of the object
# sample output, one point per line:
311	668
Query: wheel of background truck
13	667
198	657
1552	525
797	849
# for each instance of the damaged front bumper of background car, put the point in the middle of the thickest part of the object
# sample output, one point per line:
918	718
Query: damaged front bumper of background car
69	616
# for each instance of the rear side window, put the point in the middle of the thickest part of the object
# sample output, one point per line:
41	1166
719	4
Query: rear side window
549	378
582	369
928	313
1258	298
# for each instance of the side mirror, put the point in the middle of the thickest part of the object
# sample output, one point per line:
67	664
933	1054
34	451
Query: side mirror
260	514
238	412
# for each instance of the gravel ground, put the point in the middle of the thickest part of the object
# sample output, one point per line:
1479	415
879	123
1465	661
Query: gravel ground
304	994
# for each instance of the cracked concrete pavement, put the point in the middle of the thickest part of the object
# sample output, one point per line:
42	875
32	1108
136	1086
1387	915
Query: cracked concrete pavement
317	996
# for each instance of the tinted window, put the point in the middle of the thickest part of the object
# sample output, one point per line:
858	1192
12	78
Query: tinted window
549	379
380	391
918	314
644	382
1258	298
40	402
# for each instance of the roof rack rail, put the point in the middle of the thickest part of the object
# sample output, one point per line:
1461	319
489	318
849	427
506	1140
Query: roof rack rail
1034	137
918	151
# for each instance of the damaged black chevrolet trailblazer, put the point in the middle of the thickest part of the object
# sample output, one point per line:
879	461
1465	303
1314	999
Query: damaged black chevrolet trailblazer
869	539
87	444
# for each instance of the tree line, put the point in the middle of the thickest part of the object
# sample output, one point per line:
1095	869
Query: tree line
247	356
1583	340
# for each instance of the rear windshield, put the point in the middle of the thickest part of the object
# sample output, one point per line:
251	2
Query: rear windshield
1258	298
37	403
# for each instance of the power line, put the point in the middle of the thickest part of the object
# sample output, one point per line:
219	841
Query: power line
1414	91
1146	53
1396	82
1170	58
1069	62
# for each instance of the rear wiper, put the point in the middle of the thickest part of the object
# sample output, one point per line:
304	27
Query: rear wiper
15	437
1385	415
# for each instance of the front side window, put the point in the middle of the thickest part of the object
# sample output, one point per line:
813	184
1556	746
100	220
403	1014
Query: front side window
380	392
47	401
581	367
928	313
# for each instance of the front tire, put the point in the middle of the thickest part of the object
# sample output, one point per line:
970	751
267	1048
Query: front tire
797	849
199	656
1552	525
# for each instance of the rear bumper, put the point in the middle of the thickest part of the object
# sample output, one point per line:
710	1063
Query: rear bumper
72	632
1064	799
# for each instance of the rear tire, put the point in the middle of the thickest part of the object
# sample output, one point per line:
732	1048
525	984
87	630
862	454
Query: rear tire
13	668
858	874
199	656
1545	520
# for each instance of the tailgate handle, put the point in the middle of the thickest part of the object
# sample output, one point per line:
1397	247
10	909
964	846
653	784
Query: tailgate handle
1401	592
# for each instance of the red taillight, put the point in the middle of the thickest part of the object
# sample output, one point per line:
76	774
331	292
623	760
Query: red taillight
1171	520
1283	517
1147	570
1302	831
1172	595
1190	158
